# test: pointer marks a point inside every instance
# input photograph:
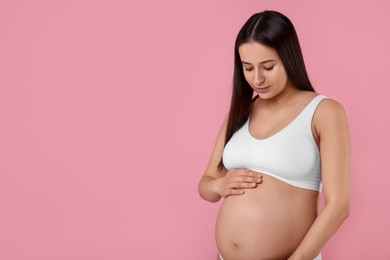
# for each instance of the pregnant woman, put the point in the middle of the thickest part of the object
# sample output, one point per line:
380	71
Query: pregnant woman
279	145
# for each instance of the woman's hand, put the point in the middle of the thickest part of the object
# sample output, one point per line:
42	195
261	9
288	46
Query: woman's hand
236	181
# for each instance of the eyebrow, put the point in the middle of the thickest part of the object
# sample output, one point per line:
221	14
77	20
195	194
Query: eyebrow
260	62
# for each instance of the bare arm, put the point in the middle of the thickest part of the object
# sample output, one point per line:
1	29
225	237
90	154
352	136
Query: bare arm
215	184
332	127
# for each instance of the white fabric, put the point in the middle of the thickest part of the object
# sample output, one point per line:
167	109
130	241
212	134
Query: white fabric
291	155
319	257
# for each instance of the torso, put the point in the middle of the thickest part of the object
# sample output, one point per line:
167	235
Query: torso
270	221
267	222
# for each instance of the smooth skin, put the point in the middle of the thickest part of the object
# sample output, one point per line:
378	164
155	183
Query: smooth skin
273	110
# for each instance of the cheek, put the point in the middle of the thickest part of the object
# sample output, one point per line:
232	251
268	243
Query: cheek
280	76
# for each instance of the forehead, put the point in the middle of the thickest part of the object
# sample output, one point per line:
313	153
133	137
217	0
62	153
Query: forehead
254	52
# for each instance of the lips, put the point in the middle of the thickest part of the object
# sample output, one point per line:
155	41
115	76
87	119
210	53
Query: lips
262	89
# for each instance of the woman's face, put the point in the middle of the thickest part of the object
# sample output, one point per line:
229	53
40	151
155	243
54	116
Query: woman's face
263	69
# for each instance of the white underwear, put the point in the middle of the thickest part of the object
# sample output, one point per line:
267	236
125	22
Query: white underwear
319	257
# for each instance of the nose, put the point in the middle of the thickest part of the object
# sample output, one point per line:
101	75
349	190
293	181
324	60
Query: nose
258	77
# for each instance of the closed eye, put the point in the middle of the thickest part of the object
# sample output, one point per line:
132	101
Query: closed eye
248	69
270	68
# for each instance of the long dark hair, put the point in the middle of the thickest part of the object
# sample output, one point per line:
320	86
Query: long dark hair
275	30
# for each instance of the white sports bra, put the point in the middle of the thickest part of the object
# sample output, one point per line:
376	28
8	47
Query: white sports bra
291	155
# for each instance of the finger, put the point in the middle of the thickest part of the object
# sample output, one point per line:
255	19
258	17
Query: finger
255	174
259	178
250	173
233	192
246	172
250	178
244	177
243	185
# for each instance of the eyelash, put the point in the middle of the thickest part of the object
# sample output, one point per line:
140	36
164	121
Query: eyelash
270	68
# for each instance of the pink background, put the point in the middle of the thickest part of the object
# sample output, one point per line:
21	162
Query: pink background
109	111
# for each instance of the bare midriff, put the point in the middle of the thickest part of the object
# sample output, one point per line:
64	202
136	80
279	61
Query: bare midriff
267	222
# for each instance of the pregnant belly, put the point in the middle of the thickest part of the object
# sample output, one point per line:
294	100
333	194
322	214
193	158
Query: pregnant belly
267	222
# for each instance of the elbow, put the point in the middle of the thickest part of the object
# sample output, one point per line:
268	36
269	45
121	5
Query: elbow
343	211
347	210
208	197
211	199
205	193
344	208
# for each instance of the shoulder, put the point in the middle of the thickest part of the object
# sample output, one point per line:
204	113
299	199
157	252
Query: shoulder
329	114
329	107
